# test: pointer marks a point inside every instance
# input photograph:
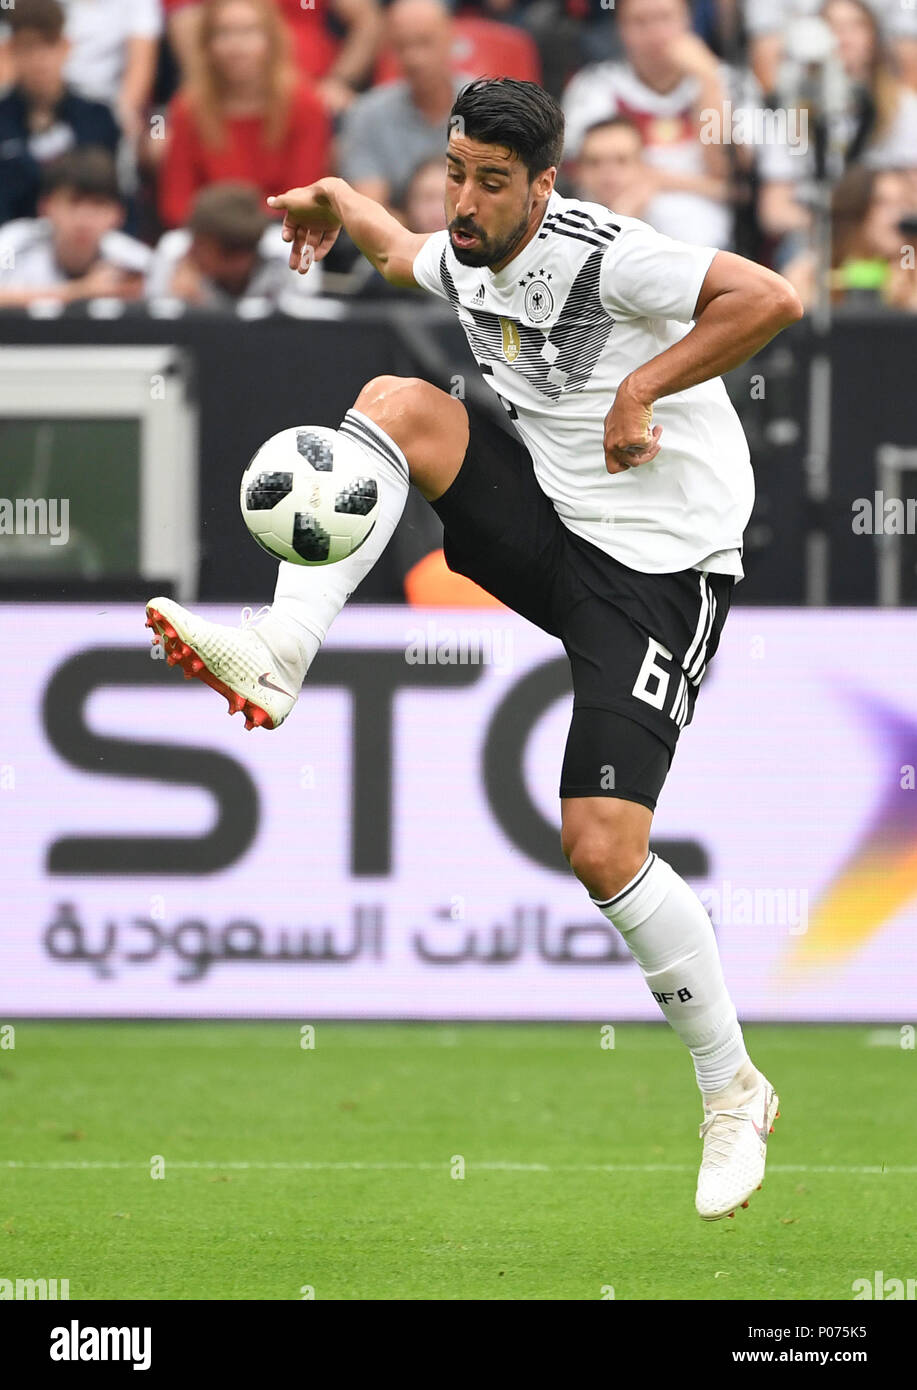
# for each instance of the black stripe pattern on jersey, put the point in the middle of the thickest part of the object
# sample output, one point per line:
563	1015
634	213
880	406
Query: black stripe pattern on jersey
553	363
580	226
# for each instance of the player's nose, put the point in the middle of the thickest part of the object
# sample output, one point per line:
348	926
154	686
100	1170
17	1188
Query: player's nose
466	204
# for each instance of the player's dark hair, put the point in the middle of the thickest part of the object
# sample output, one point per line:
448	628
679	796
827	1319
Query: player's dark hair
88	171
520	115
44	17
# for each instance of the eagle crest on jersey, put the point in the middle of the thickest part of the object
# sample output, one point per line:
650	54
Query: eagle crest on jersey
561	355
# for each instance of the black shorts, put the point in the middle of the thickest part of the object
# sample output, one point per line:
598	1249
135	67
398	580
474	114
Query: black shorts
638	643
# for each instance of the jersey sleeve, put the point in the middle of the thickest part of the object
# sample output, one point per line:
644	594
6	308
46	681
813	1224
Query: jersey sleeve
426	264
648	275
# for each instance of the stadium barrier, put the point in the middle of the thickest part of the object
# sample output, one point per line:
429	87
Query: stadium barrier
815	410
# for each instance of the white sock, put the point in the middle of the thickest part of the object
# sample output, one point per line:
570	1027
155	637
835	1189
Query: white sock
308	598
671	938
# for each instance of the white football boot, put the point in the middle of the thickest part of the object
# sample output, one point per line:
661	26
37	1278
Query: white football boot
735	1144
235	661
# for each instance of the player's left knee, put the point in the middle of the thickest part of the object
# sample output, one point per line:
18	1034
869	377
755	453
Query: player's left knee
430	427
406	406
385	393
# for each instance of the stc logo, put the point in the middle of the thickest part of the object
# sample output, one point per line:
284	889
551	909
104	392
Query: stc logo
373	677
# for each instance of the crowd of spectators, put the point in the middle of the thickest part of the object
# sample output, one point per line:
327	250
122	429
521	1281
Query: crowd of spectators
140	138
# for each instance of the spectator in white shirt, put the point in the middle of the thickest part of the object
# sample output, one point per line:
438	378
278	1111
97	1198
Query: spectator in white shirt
74	250
229	251
668	86
113	54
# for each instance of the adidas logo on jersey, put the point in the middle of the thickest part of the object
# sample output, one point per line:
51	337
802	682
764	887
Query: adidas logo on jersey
478	297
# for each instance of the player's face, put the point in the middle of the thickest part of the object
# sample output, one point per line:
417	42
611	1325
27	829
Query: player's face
492	208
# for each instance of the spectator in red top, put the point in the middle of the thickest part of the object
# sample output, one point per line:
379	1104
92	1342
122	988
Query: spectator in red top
243	114
337	65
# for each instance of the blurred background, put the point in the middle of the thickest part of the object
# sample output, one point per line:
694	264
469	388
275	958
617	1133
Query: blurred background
394	850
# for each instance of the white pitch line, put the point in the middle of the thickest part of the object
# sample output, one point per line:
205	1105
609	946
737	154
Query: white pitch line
444	1166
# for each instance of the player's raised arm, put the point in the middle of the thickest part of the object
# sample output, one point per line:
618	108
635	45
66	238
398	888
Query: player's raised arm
313	216
740	307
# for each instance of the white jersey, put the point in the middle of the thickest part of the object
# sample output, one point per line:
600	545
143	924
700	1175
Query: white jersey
588	300
28	260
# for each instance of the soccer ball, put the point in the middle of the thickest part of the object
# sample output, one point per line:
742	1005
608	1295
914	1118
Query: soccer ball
308	496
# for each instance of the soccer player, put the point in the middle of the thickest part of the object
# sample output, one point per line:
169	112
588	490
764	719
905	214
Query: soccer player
612	518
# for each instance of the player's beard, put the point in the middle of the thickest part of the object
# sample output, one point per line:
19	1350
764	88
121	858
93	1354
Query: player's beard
487	252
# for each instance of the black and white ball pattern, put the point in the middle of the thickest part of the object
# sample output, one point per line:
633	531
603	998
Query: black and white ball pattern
308	496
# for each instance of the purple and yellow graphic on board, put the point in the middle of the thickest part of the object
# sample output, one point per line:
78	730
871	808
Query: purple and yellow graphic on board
879	876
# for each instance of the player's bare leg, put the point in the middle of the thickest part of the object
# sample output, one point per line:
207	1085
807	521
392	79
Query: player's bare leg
428	425
670	936
408	431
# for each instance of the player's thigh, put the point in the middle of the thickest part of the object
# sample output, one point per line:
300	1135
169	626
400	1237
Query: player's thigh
429	426
500	529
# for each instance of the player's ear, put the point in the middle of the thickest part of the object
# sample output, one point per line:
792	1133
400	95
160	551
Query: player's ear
543	184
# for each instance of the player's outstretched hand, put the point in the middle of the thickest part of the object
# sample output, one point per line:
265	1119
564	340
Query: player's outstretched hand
309	223
630	438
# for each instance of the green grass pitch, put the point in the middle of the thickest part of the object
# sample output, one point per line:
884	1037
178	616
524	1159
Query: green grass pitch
289	1169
